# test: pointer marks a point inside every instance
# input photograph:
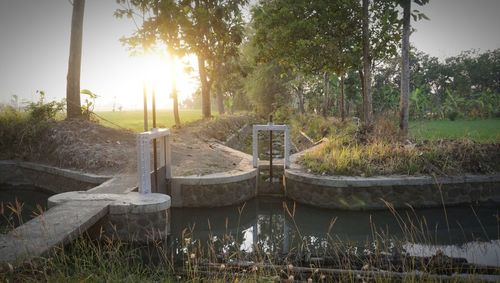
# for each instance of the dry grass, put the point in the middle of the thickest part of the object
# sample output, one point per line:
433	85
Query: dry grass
381	152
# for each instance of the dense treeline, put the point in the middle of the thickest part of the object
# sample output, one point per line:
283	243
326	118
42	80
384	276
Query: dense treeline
342	58
466	85
295	59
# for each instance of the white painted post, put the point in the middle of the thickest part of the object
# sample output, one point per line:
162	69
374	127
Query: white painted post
287	147
255	142
144	157
162	151
168	157
270	127
144	163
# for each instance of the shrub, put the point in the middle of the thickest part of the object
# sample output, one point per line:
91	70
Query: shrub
20	129
453	115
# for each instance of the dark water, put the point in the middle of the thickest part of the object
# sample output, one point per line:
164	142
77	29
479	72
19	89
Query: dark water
275	225
20	203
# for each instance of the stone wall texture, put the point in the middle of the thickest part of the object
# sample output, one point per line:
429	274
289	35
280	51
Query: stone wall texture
400	195
217	194
46	177
131	227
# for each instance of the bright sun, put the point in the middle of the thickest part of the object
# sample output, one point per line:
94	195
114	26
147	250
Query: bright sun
157	72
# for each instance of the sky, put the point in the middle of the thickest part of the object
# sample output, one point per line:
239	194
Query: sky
34	48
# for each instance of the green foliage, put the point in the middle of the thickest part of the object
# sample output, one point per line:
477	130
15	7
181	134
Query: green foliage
89	102
212	30
41	111
20	129
466	84
343	154
266	89
316	127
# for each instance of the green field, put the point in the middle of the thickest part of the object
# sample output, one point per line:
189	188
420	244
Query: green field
133	119
485	131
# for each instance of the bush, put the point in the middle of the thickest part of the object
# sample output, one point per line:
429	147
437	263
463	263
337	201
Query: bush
20	129
453	115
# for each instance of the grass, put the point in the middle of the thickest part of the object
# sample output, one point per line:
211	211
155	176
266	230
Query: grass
134	119
354	153
483	131
220	260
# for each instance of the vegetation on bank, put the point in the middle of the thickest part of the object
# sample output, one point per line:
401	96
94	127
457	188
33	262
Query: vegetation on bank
382	258
20	130
351	151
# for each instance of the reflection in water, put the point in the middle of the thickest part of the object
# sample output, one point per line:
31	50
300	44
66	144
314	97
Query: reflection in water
31	201
267	223
483	253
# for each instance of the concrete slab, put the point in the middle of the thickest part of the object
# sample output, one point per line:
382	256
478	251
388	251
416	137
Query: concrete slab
132	202
56	226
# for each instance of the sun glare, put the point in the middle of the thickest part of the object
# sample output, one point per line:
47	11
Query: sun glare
157	73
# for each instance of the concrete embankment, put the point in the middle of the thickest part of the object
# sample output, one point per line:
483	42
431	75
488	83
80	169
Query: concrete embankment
379	192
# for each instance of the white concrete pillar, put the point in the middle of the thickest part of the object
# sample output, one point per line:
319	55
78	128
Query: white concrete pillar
168	158
144	163
255	141
287	147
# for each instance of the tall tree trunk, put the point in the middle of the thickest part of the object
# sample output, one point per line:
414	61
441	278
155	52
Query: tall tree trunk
300	94
326	103
367	95
73	105
405	70
205	88
220	99
174	94
341	102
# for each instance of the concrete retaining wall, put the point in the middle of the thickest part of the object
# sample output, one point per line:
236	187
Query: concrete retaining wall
365	193
237	139
54	179
219	189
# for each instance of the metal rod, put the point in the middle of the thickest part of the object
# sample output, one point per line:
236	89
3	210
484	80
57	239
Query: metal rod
155	157
145	107
270	151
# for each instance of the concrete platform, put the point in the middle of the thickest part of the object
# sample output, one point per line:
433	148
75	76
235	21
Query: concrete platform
55	227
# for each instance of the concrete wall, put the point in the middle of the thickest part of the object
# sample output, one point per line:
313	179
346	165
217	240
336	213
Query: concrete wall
356	193
47	177
132	227
219	189
237	139
213	190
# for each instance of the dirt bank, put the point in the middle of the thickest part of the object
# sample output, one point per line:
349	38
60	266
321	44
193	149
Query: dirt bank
91	147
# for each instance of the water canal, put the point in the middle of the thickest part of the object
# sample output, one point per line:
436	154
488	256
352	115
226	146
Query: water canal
20	203
278	226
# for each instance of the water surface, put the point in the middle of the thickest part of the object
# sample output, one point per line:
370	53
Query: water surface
276	225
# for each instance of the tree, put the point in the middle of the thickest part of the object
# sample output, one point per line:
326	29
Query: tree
405	64
73	107
324	37
159	23
367	75
212	30
307	37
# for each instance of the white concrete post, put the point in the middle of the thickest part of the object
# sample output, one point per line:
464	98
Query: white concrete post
168	158
144	163
255	141
144	157
287	147
162	151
